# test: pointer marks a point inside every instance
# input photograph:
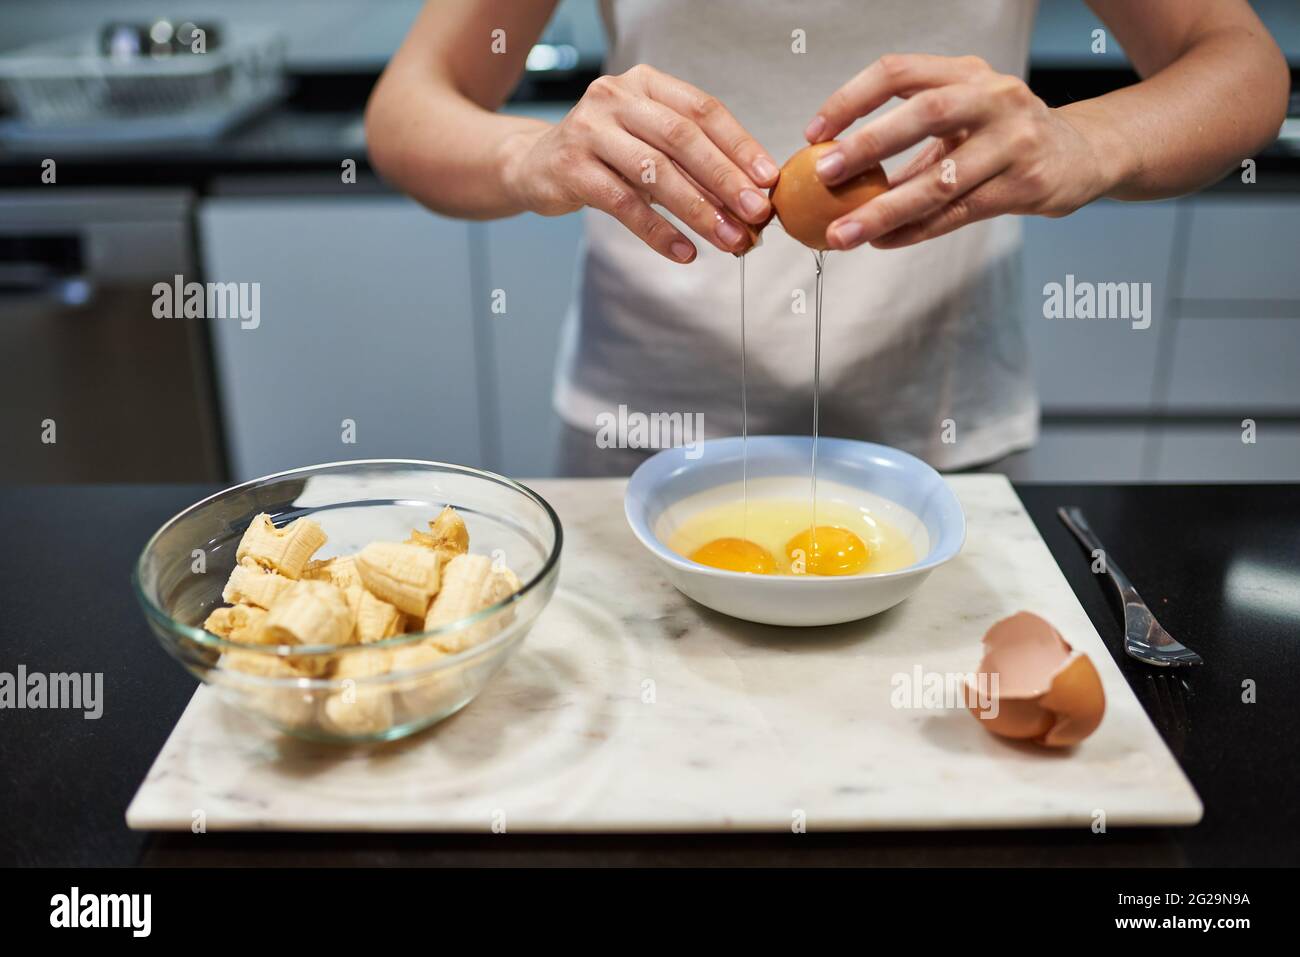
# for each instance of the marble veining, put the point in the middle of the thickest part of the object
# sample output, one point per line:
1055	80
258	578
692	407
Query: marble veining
631	708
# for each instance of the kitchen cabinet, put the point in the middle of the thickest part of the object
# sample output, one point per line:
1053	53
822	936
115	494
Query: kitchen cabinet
365	318
464	321
1096	365
530	260
98	387
1236	346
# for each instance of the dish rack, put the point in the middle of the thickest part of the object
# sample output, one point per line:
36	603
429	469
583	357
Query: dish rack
66	92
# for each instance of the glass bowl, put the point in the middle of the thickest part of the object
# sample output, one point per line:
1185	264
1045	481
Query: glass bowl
183	568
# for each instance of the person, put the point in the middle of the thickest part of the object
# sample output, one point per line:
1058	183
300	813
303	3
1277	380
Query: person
922	342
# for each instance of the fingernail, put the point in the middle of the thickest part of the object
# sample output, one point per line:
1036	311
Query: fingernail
682	251
730	234
765	169
831	166
753	203
847	235
815	129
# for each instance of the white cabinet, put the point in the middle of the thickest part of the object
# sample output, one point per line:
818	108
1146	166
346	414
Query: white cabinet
438	338
1097	365
365	317
530	265
1237	347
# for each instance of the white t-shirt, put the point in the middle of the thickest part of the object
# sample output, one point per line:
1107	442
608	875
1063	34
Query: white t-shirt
922	347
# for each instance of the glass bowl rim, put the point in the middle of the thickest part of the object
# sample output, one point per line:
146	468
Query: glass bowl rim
209	640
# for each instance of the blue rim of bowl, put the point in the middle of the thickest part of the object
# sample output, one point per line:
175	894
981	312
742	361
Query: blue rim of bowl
651	541
207	639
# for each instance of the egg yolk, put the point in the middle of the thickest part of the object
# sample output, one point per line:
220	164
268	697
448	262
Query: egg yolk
736	555
827	550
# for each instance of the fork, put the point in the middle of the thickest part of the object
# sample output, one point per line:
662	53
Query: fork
1144	638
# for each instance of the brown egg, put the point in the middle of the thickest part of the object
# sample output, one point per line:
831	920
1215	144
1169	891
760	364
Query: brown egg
1046	691
806	206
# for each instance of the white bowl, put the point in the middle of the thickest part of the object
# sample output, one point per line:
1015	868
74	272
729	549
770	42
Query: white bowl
910	494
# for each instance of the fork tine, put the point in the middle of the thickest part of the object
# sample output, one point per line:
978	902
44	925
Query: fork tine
1181	692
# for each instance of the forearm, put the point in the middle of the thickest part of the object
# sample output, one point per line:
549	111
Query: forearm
449	153
1187	125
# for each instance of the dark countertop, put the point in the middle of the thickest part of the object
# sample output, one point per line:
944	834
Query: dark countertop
320	125
1220	565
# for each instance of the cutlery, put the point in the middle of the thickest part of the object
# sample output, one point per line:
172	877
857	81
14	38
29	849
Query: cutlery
1144	638
1168	696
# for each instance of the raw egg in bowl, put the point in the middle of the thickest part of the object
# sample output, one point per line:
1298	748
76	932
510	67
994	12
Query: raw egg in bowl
756	550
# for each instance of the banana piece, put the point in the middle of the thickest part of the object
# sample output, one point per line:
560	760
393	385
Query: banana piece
447	535
285	550
360	709
375	619
259	665
471	584
340	571
287	706
252	584
309	613
239	623
501	585
422	693
401	574
462	585
414	657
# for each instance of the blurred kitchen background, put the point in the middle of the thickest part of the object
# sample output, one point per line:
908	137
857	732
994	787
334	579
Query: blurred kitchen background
227	167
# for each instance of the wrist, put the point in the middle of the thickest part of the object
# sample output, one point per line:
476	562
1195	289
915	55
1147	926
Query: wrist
1112	159
511	163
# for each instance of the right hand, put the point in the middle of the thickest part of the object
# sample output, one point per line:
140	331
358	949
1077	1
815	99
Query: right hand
647	137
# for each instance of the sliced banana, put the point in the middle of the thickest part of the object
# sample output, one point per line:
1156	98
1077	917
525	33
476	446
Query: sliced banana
470	584
252	584
340	571
461	592
403	575
375	619
285	550
447	535
309	613
238	623
288	705
280	596
360	708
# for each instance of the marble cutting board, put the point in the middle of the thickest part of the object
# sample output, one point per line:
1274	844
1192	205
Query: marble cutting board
630	708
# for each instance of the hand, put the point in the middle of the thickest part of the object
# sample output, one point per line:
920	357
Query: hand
998	149
647	137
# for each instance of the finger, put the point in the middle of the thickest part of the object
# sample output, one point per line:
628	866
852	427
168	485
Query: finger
896	74
927	157
692	150
654	173
708	113
980	203
939	111
970	165
604	190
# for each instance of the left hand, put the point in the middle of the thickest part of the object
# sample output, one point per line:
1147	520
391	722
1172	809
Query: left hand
998	149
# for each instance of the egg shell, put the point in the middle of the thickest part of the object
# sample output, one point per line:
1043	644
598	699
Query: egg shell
1047	693
806	206
755	233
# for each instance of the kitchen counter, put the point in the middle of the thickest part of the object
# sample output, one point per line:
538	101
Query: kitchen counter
321	124
1217	563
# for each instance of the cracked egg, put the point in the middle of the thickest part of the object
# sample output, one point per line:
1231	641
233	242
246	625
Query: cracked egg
1046	692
